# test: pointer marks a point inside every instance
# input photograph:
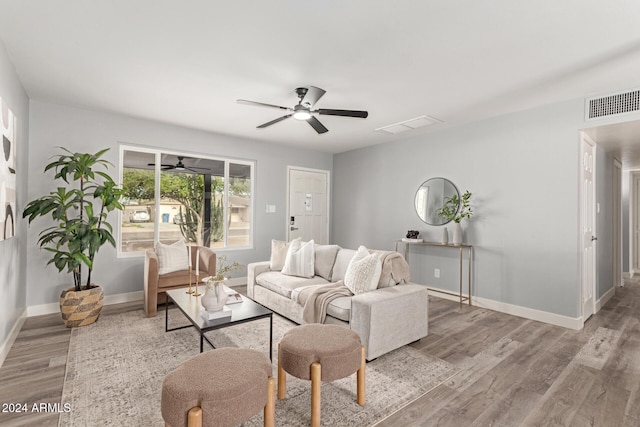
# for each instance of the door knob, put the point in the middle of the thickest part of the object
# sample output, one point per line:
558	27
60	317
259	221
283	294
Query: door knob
294	228
593	238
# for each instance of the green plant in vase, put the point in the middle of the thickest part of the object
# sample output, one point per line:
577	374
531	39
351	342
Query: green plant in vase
456	209
215	296
79	210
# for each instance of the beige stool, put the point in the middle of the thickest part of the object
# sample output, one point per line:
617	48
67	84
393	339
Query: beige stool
320	353
222	387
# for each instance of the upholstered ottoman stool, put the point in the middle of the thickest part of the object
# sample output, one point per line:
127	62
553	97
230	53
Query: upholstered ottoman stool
320	353
222	387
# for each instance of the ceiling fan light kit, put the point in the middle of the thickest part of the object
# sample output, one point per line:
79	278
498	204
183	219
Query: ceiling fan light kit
303	110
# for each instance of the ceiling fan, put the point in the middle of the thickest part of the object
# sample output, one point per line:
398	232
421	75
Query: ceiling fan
303	111
180	166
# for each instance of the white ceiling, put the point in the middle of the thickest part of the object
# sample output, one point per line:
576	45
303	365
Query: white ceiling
186	62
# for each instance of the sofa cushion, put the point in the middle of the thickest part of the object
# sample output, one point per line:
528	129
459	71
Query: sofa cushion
279	251
173	257
324	259
300	259
342	262
173	279
340	308
363	272
283	284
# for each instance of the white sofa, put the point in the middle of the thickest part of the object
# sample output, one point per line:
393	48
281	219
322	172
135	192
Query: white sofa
393	315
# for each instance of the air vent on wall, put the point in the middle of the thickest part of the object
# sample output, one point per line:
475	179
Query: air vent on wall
610	105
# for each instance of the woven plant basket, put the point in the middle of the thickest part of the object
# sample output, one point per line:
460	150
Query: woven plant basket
81	308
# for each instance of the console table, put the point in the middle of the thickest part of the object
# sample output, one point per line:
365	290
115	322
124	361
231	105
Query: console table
461	249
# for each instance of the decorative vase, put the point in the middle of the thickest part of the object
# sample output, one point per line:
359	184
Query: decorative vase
214	297
457	234
81	308
445	236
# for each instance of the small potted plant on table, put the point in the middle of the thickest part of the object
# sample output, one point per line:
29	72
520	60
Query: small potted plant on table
456	209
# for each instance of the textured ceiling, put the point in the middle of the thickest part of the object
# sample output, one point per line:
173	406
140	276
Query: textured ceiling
186	62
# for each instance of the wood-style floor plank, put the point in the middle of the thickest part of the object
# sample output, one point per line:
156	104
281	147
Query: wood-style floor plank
513	371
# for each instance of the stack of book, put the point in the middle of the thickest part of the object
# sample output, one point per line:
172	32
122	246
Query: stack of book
225	313
233	296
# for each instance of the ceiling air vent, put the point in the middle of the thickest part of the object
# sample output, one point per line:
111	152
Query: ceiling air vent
407	125
610	105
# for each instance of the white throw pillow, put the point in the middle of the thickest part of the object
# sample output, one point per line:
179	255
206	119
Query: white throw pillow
363	272
173	257
279	250
300	259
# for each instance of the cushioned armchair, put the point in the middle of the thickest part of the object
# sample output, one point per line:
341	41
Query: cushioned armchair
156	284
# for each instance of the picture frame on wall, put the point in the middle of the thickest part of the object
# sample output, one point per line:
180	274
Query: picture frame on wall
7	172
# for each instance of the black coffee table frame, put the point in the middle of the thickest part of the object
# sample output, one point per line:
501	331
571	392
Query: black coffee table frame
245	311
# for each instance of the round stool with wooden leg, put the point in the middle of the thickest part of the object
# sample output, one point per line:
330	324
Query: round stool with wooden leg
321	353
222	387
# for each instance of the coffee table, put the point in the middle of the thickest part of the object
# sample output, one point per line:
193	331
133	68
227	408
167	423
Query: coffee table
245	311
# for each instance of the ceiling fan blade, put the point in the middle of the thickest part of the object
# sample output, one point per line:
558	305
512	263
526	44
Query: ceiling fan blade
315	123
260	104
153	164
312	96
344	113
279	119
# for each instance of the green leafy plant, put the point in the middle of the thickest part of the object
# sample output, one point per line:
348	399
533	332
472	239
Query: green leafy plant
456	209
80	210
223	268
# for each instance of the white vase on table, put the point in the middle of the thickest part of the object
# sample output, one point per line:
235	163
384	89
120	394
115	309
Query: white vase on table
445	236
214	297
457	234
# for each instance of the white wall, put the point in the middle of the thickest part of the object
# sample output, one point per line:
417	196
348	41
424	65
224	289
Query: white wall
12	251
82	130
523	172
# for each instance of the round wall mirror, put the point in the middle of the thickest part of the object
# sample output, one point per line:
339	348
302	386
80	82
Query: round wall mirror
430	198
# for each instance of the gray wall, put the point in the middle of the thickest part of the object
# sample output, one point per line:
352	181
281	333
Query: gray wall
82	130
523	172
12	251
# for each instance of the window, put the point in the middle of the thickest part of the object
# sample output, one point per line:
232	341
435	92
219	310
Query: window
199	199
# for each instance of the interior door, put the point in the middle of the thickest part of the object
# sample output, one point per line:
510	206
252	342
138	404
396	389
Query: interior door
588	225
308	207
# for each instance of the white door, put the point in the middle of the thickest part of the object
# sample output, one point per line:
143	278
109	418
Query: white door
308	206
587	225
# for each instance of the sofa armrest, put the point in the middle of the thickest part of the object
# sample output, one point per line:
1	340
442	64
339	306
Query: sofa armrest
388	318
253	270
150	282
207	261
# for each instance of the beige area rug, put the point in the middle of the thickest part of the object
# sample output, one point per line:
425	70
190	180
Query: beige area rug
116	366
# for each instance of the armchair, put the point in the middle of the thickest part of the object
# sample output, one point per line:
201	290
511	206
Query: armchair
155	284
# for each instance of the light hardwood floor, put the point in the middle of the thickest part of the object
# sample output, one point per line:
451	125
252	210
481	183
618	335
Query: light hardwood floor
514	372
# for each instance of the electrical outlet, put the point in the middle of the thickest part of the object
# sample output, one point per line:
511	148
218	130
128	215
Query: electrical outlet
436	273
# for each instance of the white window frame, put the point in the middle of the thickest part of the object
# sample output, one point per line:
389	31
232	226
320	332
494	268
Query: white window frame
156	230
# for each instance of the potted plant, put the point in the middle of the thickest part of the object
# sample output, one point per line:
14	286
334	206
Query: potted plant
455	209
215	296
79	209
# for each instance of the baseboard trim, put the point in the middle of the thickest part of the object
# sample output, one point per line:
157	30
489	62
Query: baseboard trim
605	298
8	343
52	308
517	310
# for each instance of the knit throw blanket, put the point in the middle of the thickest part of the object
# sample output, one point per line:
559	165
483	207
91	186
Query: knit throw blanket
315	300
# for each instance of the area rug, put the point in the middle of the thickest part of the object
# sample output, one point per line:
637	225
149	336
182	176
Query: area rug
116	366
